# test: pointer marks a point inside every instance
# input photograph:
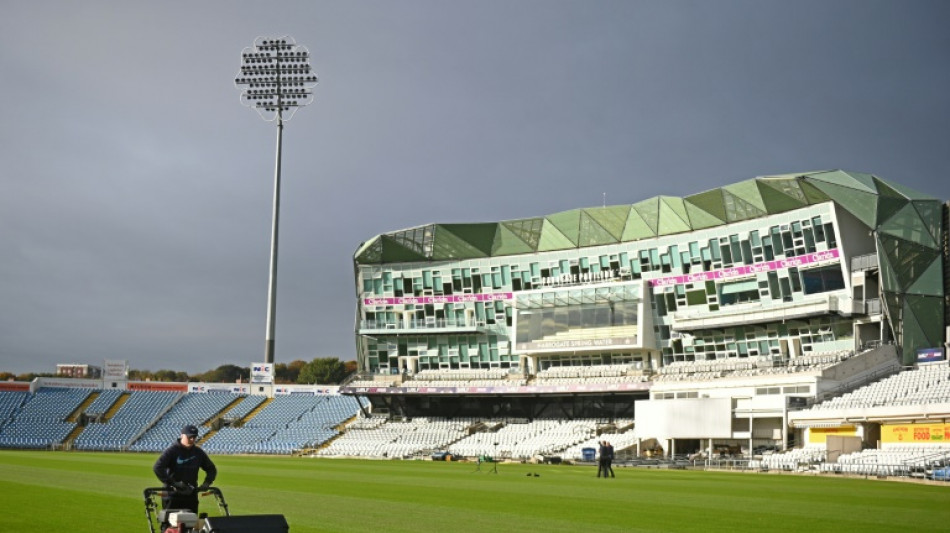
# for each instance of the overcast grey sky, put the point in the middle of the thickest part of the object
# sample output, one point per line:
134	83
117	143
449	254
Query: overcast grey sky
135	195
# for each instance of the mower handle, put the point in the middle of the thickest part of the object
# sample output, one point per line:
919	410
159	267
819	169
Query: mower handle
161	491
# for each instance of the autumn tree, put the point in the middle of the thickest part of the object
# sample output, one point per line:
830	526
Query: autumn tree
224	374
288	372
323	370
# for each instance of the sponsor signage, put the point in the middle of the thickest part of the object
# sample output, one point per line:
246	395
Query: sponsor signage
158	386
115	369
567	344
915	433
262	372
929	355
66	382
524	389
454	298
308	390
820	435
747	270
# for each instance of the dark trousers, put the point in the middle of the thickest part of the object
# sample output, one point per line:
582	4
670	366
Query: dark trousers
175	500
608	467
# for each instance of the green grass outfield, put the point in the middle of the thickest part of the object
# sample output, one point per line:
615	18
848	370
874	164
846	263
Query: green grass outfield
73	492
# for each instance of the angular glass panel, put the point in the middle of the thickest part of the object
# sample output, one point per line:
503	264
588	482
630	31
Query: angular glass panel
909	260
568	223
859	203
612	218
738	209
528	230
780	195
931	214
930	282
553	239
907	225
710	202
649	211
593	234
928	312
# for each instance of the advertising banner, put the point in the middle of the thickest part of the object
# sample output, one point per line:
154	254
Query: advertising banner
115	369
70	383
514	389
820	435
158	386
575	344
454	298
915	433
262	372
929	355
746	270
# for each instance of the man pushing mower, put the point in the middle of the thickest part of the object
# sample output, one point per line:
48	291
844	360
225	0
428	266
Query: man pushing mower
178	467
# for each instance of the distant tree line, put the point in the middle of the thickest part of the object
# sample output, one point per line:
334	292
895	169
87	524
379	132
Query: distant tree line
322	370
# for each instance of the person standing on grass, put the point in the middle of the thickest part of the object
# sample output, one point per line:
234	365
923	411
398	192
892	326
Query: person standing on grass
177	468
608	466
602	459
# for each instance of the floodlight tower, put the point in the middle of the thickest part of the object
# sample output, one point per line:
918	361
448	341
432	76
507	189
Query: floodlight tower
275	78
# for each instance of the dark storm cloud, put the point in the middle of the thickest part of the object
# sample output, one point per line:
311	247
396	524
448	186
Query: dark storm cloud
136	191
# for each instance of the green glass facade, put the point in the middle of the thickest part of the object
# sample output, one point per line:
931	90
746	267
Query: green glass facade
680	276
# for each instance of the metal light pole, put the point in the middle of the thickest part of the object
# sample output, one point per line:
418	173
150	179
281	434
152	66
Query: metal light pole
275	78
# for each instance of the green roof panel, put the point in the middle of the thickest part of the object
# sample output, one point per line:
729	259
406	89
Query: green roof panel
649	210
748	192
866	180
710	202
781	195
508	243
481	236
844	179
636	228
814	194
553	239
877	203
858	202
611	218
673	218
907	191
699	218
395	252
528	230
568	223
737	208
449	245
592	233
371	251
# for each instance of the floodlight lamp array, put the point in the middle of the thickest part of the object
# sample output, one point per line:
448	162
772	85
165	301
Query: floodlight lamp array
276	77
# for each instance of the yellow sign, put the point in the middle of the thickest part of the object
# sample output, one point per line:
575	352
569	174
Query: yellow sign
915	433
819	435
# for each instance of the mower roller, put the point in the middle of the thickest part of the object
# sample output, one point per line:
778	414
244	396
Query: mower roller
187	521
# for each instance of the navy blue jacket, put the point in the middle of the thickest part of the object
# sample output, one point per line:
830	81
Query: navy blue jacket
178	463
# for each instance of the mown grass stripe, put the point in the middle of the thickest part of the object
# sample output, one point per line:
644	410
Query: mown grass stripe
80	492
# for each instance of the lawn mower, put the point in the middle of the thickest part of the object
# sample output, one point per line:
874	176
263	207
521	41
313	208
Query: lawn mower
187	521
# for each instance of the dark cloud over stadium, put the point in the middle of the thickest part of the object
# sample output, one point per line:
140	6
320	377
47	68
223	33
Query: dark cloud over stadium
136	191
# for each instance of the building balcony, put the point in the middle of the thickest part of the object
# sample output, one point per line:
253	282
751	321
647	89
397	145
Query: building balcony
758	313
377	327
